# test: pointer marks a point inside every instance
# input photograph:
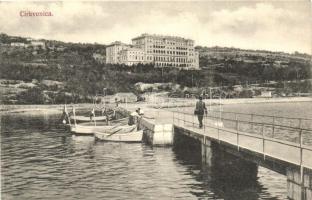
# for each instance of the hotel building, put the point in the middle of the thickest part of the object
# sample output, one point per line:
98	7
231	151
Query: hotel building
162	51
113	52
131	56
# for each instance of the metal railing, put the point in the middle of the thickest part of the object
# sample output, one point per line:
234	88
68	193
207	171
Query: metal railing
283	128
293	151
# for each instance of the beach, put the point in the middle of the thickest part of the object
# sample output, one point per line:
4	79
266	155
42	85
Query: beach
159	103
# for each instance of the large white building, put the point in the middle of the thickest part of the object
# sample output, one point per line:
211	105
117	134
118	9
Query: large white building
131	56
162	51
113	52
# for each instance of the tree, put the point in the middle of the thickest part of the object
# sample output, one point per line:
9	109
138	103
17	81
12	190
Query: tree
31	96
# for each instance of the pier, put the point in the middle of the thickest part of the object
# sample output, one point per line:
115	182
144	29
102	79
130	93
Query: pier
229	140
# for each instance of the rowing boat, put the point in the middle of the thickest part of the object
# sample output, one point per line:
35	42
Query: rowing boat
79	118
134	136
90	130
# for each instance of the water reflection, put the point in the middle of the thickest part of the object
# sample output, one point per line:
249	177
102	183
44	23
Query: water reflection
226	176
40	160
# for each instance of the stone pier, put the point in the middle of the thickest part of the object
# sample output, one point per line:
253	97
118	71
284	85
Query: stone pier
299	187
156	134
230	156
226	166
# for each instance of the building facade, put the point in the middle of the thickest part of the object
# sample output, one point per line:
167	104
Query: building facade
131	56
168	51
113	52
38	44
162	51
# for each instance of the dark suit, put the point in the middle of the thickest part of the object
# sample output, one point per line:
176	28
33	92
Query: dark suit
201	110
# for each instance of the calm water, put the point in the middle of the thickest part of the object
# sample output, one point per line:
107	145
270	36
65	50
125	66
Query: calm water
40	160
294	109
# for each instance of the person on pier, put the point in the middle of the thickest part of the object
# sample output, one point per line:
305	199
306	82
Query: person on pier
200	110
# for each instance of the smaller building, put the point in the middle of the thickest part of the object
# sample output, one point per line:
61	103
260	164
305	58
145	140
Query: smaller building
131	56
264	94
60	48
113	51
125	97
37	44
238	88
18	44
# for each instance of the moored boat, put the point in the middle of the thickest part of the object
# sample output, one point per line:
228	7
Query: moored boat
134	136
79	118
90	130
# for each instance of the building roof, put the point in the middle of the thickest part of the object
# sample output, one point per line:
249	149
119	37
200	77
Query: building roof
117	43
161	37
133	49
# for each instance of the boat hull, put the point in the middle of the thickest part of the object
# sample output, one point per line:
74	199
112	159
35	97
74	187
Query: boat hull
90	130
87	119
120	137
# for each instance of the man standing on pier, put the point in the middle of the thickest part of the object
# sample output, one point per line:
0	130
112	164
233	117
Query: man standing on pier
200	110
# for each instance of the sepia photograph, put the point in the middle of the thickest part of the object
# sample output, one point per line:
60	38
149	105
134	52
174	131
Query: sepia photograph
164	100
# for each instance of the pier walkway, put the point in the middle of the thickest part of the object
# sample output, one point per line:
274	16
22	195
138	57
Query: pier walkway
286	141
279	143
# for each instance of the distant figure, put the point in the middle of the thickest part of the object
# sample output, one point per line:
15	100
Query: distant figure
105	113
140	112
65	115
92	114
114	116
116	101
200	110
133	118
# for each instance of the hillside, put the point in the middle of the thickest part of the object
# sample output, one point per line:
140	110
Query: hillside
45	71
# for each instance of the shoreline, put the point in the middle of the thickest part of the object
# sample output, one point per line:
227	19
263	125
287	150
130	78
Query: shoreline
178	102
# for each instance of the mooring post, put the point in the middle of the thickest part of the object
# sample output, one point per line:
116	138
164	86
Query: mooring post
74	112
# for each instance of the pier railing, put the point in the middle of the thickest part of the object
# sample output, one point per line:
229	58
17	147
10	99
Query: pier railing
286	142
283	128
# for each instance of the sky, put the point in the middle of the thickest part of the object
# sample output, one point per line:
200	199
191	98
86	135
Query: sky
276	26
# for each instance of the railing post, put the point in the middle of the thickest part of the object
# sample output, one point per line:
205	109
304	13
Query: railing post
179	118
299	123
263	141
218	133
273	126
183	118
204	121
237	134
252	124
300	143
236	123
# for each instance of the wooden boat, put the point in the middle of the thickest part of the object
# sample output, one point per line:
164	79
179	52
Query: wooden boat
79	118
134	136
116	122
90	130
